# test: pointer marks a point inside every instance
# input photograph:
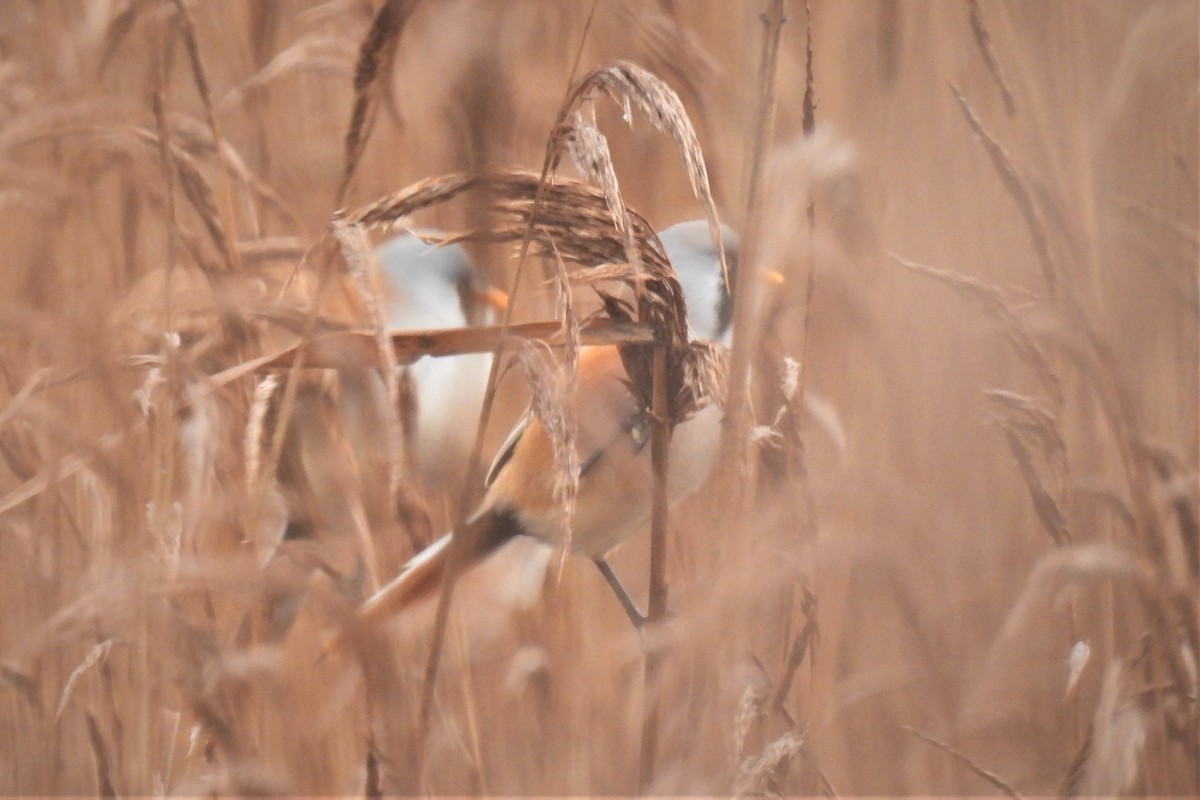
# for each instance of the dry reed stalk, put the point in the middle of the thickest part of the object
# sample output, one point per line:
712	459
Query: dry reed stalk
344	349
660	445
34	383
793	388
364	267
1025	418
731	459
795	400
1113	753
570	334
291	386
270	248
804	644
264	388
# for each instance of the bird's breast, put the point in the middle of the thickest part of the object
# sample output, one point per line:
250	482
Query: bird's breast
616	483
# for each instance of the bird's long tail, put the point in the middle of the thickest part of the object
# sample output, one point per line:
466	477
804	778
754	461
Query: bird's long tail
424	573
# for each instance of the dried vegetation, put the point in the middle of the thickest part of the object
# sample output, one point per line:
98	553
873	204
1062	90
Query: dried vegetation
960	550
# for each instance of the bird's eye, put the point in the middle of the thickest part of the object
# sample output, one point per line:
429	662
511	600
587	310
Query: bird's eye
468	299
638	428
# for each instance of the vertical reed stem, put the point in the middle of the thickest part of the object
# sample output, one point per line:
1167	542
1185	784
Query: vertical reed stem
731	463
660	451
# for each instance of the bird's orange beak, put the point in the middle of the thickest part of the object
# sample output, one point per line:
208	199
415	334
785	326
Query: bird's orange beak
773	277
494	298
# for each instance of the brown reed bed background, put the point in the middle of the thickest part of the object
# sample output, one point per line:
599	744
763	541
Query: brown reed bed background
961	555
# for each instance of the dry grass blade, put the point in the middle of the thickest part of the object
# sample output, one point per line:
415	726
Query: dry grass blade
198	192
374	60
671	49
200	76
36	381
803	644
1047	507
991	301
984	40
94	657
139	497
203	141
61	469
1027	415
104	783
118	31
318	51
1014	182
989	776
1184	499
26	686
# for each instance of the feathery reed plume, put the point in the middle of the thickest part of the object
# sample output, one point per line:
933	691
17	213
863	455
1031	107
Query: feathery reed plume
375	58
762	775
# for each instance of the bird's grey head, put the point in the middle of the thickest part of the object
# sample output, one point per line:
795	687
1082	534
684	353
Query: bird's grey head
429	287
691	251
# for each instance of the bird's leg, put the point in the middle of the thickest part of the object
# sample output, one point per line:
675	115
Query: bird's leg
638	619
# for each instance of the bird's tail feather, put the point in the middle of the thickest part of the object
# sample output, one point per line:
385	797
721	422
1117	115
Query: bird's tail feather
422	576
